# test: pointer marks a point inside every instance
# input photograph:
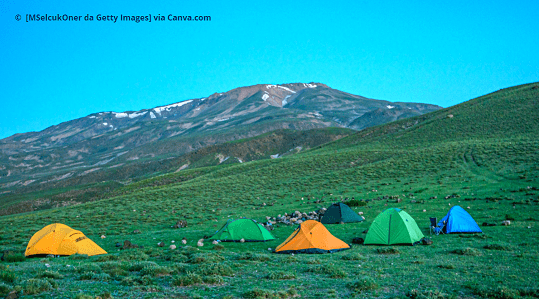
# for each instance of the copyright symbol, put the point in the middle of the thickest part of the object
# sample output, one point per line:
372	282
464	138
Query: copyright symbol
18	17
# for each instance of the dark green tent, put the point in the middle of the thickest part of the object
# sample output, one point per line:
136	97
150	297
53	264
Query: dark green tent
247	229
339	212
393	226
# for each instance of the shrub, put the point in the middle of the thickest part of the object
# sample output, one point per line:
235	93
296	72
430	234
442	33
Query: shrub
496	292
155	270
467	251
133	255
89	268
364	284
138	266
280	275
257	293
83	296
14	257
50	274
4	289
35	286
187	280
7	276
199	258
427	294
356	203
497	247
387	250
214	269
328	269
353	257
94	276
213	279
77	256
254	257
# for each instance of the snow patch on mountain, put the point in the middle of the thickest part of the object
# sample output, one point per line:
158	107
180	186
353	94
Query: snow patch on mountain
120	115
93	116
265	97
287	89
167	108
137	114
285	100
390	107
152	115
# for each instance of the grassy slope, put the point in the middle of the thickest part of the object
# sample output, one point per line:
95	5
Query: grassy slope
484	157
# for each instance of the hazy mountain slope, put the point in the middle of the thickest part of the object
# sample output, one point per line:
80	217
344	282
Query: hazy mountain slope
79	150
270	145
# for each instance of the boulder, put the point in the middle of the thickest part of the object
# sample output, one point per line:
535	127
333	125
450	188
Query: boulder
128	245
172	247
161	244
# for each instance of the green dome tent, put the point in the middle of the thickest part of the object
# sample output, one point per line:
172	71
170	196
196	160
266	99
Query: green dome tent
247	229
393	226
339	212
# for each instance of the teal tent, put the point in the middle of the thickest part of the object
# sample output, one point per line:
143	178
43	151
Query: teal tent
339	212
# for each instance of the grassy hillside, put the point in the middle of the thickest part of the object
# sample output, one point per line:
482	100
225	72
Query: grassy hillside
80	189
483	158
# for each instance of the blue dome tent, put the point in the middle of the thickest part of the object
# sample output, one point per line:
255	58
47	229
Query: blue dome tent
458	220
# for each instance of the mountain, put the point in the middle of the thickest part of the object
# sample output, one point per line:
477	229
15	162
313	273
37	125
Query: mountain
122	146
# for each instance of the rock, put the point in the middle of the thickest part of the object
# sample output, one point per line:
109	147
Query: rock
424	210
103	236
506	222
360	213
299	221
215	242
118	244
342	222
180	224
172	247
161	244
128	244
200	244
426	241
358	241
184	241
242	240
362	217
398	200
450	116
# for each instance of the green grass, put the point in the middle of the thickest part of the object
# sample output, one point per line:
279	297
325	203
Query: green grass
430	170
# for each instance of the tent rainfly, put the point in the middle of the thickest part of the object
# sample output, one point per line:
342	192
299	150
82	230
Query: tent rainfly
60	239
247	229
311	237
393	226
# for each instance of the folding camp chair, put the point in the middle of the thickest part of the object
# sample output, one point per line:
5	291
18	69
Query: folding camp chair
434	226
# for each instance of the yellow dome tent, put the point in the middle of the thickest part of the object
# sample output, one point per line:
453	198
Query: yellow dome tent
60	239
311	237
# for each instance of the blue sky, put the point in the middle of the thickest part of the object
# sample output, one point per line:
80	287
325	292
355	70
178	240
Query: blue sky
423	51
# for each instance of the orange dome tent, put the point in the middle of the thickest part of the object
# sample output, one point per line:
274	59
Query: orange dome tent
311	237
60	239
